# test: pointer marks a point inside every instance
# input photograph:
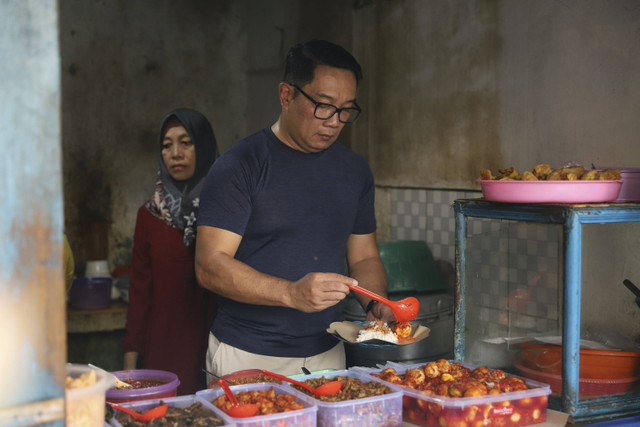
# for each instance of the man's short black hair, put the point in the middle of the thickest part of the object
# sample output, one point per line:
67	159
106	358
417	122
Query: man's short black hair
303	58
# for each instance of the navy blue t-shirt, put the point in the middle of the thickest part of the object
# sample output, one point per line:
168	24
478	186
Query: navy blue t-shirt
295	212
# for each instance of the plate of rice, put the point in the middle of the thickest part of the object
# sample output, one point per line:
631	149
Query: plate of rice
366	334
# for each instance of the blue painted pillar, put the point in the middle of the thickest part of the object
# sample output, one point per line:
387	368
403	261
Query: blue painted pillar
32	314
571	310
461	283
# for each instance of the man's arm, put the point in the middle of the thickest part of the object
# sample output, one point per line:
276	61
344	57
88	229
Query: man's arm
366	267
218	271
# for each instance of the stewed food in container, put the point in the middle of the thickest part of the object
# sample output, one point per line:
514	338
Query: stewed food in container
459	394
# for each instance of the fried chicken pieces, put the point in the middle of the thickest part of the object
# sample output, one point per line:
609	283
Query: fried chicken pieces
543	172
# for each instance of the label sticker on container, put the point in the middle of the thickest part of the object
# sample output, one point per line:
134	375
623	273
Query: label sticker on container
502	411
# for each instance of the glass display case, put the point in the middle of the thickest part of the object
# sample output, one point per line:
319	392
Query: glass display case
520	276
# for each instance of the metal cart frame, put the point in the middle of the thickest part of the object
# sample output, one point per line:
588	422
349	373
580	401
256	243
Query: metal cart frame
571	217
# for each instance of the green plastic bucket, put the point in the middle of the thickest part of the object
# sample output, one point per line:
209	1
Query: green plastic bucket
410	267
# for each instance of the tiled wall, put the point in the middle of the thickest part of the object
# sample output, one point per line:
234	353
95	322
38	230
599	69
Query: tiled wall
423	214
502	257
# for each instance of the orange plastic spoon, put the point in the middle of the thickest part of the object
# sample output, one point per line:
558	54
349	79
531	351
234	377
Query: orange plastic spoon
405	310
158	411
237	410
332	387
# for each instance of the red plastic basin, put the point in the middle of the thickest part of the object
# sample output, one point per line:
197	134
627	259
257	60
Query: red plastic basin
598	364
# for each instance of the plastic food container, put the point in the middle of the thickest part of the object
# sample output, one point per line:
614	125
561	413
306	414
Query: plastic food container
251	376
599	364
245	376
90	293
320	371
168	389
586	386
97	268
176	402
550	191
375	411
305	417
85	406
516	408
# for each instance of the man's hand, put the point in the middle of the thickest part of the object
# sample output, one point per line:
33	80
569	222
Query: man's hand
382	312
318	291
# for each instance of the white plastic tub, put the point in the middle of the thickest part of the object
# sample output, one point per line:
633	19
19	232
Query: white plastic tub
85	406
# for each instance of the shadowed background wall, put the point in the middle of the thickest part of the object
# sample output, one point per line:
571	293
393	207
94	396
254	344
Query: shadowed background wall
449	88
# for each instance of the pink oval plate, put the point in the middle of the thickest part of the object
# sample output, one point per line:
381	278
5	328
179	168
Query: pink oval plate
550	191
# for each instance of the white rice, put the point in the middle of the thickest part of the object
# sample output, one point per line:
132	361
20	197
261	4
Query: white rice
377	330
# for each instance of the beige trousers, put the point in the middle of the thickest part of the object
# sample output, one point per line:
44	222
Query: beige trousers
223	359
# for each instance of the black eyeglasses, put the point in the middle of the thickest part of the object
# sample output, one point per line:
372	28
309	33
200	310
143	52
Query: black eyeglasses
325	111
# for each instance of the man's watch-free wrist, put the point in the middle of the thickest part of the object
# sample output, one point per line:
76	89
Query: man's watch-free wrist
370	305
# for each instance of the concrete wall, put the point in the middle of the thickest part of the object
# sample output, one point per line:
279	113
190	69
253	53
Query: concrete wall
458	86
450	87
124	66
454	87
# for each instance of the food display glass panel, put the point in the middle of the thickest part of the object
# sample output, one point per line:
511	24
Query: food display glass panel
567	259
513	288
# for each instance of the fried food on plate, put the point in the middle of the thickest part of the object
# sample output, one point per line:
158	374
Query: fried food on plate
508	173
590	175
610	174
486	174
543	172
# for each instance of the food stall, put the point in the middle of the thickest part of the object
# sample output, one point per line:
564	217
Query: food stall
461	389
585	396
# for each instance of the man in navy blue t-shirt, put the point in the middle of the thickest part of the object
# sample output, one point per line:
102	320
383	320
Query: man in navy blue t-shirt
286	222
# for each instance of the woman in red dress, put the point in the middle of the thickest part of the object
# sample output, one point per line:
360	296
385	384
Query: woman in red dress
169	314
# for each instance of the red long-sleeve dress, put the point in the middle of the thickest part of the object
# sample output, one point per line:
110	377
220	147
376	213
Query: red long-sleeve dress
169	314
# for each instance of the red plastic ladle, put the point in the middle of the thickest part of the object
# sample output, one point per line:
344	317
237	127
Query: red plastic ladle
158	411
332	387
405	310
237	410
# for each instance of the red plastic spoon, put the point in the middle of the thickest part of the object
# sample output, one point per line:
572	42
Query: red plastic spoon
158	411
332	387
237	410
405	310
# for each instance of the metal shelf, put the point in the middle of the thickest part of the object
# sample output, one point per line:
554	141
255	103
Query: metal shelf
571	217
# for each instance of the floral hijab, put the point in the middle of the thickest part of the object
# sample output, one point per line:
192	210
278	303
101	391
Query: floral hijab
176	202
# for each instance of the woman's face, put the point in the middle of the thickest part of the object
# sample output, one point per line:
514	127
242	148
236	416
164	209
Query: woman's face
178	152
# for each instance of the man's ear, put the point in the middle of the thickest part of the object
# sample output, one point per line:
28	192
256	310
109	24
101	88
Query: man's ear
286	93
